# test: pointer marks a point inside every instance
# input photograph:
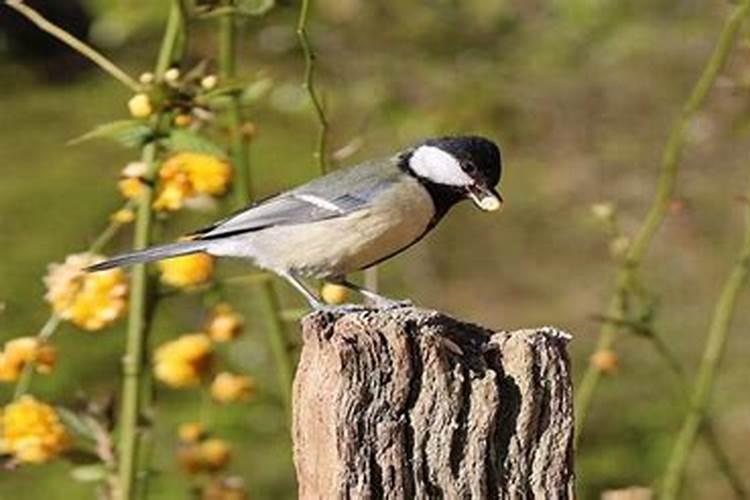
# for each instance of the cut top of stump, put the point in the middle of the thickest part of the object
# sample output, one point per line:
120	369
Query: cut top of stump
412	403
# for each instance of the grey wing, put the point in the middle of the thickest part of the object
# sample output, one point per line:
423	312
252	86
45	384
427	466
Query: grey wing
284	209
334	195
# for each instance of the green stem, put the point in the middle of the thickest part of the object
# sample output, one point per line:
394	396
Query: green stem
715	345
138	324
239	146
277	337
708	431
309	84
243	190
660	204
74	43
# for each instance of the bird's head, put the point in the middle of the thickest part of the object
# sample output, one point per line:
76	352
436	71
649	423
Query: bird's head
467	166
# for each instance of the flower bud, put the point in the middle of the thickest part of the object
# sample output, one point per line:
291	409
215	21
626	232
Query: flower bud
146	78
618	247
208	82
140	106
183	120
123	216
603	211
191	432
606	361
172	75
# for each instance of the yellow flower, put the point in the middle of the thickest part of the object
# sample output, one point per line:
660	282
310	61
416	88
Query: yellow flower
130	187
21	351
334	294
209	455
225	324
191	432
31	431
88	300
187	270
123	216
186	175
227	388
181	362
215	453
183	120
140	106
173	194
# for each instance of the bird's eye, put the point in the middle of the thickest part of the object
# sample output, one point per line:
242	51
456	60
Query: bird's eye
470	168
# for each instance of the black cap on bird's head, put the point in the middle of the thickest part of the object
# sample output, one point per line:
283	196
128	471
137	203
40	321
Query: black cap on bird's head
459	167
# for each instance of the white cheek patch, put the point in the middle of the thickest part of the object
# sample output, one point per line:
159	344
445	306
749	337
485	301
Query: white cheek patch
438	166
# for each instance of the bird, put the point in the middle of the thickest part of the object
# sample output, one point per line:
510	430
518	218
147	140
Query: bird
349	219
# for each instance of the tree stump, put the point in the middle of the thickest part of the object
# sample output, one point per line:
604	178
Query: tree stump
410	403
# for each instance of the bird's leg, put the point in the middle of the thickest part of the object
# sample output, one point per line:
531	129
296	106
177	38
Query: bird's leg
376	299
311	298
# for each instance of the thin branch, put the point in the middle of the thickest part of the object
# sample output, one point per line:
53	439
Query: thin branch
138	323
718	332
243	190
239	145
82	48
309	84
708	431
627	274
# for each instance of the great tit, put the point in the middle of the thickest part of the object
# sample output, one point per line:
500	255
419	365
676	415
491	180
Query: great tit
349	219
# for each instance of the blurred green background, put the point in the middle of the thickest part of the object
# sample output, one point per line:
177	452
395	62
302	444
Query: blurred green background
580	94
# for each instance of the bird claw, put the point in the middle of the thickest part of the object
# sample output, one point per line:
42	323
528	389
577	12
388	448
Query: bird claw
387	304
341	308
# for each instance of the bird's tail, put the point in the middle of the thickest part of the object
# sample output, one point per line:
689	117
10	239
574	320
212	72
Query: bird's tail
150	254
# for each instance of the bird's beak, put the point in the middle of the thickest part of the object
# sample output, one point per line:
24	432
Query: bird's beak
485	198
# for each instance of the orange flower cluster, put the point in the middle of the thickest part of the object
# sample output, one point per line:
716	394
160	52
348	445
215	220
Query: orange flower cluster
88	300
187	270
225	323
182	362
31	431
19	352
186	175
228	388
131	184
209	455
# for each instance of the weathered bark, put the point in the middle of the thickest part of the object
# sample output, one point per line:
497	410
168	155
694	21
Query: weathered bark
409	403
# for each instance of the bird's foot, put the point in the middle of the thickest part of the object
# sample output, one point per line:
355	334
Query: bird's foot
380	302
340	308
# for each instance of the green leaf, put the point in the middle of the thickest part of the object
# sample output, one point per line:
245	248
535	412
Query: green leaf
254	7
129	133
256	90
187	140
89	473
